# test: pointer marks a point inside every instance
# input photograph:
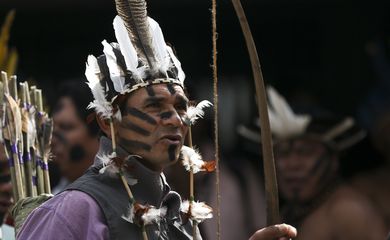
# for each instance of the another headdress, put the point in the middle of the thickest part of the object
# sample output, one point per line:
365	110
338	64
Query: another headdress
338	132
139	59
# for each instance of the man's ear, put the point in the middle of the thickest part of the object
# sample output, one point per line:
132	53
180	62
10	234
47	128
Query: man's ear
104	125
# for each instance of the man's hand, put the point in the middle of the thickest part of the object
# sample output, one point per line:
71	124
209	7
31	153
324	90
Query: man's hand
280	232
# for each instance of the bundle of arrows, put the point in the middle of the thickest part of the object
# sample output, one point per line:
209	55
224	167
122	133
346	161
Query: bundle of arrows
26	132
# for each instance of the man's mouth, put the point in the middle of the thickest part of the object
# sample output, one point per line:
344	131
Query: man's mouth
171	139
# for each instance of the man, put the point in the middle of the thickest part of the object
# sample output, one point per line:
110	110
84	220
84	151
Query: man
75	140
307	149
138	87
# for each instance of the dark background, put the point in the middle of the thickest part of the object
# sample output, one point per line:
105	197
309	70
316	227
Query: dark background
317	46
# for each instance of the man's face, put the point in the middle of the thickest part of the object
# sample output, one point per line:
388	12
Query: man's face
152	125
302	164
71	142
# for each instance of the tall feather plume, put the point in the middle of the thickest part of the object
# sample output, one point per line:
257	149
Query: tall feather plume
100	104
284	122
134	16
116	73
127	49
177	64
163	58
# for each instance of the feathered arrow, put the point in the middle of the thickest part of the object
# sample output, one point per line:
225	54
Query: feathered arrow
271	187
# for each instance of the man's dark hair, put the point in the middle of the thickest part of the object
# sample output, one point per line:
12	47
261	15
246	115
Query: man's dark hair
80	94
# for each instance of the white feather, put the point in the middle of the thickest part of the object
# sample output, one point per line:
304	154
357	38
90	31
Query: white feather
192	161
159	45
116	74
199	210
100	104
177	64
284	122
127	48
110	168
152	214
194	113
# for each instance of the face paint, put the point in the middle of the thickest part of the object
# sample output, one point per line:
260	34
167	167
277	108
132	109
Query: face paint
134	144
77	153
171	89
141	115
172	152
5	178
150	91
134	127
159	115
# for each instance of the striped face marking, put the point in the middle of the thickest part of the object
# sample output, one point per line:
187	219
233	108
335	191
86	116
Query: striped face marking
152	125
141	115
171	89
134	145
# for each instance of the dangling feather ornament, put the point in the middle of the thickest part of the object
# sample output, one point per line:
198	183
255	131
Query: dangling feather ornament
111	166
143	215
100	104
192	161
197	211
196	112
284	122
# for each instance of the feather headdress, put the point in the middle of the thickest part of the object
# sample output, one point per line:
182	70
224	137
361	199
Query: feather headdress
336	131
284	122
140	58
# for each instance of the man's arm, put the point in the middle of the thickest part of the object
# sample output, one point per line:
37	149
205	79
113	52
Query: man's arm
69	215
282	231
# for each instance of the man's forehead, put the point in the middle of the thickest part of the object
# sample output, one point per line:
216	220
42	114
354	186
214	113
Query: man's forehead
160	92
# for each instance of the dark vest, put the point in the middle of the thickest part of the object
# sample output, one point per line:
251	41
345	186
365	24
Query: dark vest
113	200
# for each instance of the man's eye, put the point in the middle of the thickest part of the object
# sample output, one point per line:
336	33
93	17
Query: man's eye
181	107
153	105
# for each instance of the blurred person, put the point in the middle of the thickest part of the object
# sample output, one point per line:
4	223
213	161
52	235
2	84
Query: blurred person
75	139
6	201
374	114
307	148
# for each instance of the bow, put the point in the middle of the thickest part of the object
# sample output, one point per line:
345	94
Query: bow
271	187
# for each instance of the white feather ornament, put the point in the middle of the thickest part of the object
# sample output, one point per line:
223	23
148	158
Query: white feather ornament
284	122
100	104
154	215
196	112
127	48
149	214
116	73
160	46
192	161
112	170
199	210
177	64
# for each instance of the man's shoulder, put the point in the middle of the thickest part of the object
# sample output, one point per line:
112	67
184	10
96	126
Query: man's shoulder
345	198
70	200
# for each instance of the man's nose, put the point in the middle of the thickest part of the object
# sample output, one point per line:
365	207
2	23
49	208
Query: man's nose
172	118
